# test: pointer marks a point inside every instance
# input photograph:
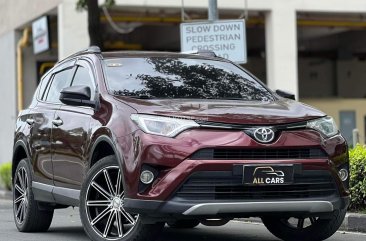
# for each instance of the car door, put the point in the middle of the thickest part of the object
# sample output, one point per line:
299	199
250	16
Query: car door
40	120
70	137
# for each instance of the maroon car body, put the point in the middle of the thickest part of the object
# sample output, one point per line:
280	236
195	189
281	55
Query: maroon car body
200	165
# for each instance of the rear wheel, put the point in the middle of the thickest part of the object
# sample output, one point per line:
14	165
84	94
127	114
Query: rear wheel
101	207
304	229
184	223
28	216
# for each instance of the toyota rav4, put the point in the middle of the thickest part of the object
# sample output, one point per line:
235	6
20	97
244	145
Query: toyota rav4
138	140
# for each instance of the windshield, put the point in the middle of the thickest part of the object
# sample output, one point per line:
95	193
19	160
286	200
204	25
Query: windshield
162	77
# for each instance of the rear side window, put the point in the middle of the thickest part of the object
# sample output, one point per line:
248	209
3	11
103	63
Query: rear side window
60	80
42	86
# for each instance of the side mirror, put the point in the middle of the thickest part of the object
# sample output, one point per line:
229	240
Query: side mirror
285	94
77	96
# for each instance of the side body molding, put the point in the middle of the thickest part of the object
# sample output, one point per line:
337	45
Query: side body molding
51	194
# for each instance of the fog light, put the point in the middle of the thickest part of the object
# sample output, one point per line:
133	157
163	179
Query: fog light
343	174
146	177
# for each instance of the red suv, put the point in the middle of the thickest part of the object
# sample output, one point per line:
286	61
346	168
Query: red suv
140	139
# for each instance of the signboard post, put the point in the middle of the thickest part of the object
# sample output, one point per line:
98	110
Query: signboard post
40	34
227	38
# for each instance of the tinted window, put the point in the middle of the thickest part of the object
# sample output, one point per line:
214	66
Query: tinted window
82	77
42	86
60	80
182	78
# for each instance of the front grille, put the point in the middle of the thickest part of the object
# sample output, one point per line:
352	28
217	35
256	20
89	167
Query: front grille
258	154
212	186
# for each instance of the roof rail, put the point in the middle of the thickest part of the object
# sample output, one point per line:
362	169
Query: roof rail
208	53
91	50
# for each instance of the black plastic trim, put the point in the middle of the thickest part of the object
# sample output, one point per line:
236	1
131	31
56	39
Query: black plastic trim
153	208
259	153
52	194
43	192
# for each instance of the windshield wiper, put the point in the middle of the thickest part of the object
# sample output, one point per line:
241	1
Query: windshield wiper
223	98
140	96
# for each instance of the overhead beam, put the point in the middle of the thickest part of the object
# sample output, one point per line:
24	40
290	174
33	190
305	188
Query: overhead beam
340	6
250	22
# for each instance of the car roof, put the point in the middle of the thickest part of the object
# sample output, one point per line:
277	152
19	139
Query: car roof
202	54
162	54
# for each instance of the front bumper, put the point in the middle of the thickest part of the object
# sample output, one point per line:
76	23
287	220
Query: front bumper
198	174
314	190
235	209
200	150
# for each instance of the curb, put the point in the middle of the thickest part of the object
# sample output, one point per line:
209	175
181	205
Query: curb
353	222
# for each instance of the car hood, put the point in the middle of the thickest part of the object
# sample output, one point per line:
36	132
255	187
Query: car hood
281	111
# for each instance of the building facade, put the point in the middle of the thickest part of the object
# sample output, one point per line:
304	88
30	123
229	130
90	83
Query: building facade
312	48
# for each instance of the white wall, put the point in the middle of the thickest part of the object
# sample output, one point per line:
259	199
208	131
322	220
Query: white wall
15	13
281	48
72	29
7	93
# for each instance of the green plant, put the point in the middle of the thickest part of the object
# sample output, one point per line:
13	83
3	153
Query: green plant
357	157
5	175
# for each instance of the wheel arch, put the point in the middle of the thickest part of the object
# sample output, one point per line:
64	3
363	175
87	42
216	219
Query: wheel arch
102	147
100	143
20	152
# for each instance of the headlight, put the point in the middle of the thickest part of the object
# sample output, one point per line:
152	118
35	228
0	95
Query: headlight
163	126
325	125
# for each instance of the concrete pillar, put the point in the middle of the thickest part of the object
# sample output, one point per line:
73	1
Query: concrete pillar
8	94
281	48
72	29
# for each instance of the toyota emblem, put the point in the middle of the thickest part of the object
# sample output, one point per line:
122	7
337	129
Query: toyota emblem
264	134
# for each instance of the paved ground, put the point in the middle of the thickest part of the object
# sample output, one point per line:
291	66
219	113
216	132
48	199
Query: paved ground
66	226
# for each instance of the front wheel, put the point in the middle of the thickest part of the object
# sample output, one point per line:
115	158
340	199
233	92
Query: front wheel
101	207
304	229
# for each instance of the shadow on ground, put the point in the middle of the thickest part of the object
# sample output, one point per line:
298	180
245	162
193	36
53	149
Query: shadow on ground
200	233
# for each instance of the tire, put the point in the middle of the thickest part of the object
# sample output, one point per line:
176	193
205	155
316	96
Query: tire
27	215
105	219
318	229
184	223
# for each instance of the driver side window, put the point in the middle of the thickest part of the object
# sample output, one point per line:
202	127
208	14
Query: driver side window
60	80
82	77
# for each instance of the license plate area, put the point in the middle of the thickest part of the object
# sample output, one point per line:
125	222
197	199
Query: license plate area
268	174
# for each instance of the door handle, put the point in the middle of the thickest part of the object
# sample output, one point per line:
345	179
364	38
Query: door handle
57	122
29	121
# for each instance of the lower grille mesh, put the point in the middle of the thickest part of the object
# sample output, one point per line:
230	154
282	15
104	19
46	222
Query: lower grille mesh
258	154
225	186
